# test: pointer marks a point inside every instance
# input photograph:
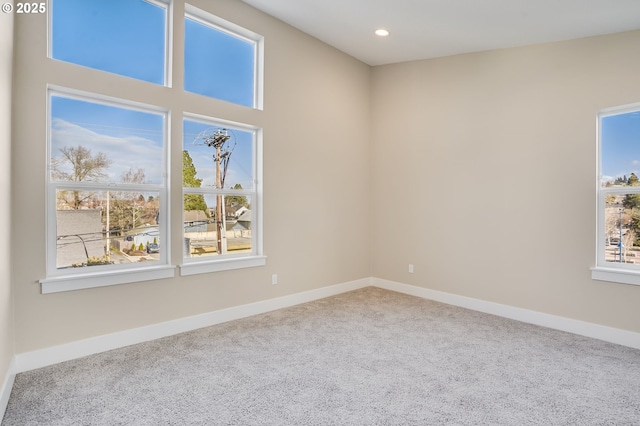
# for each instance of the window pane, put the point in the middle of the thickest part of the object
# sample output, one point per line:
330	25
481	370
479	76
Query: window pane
125	37
93	142
202	227
620	145
82	237
622	228
207	145
218	65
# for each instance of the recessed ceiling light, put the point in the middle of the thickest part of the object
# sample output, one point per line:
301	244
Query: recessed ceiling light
382	33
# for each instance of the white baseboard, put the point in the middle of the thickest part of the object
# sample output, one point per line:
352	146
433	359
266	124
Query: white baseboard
73	350
7	385
55	354
596	331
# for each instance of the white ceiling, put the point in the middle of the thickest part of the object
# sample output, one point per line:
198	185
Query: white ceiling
422	29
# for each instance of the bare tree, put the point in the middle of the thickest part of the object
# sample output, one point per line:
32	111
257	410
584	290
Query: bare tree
627	240
611	225
133	176
84	167
127	208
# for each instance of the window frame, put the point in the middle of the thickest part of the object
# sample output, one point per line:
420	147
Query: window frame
76	278
610	271
208	19
191	265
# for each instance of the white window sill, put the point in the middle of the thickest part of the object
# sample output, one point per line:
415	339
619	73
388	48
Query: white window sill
102	279
616	275
206	266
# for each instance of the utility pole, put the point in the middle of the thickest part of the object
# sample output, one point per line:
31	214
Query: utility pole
620	244
221	159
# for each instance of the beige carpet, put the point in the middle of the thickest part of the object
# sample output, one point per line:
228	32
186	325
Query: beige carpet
368	357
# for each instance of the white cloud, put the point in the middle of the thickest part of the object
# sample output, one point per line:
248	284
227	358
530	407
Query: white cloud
124	152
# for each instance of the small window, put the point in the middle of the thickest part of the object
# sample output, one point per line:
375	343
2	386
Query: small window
618	242
107	190
221	202
126	37
221	60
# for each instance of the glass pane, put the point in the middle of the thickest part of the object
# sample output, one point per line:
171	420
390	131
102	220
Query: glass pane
620	145
217	64
622	228
216	157
125	37
202	227
131	219
93	142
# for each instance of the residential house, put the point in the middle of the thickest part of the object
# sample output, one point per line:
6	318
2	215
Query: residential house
79	236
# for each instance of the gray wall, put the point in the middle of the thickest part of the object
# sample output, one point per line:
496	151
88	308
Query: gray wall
487	163
316	134
6	309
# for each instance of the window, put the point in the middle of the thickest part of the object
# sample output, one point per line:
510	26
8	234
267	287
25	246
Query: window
126	37
221	59
108	154
107	185
220	196
618	239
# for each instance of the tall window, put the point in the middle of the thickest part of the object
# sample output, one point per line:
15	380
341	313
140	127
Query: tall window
108	154
619	195
126	37
220	196
107	184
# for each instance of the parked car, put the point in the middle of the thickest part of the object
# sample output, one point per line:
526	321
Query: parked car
153	248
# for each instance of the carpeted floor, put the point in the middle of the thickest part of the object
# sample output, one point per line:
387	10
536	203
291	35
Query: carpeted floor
368	357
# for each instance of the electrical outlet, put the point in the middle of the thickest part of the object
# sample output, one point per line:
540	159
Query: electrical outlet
411	268
274	279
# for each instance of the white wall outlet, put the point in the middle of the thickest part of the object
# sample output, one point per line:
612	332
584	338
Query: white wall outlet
411	268
274	279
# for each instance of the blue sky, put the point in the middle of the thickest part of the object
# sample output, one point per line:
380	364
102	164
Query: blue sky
127	37
130	139
121	36
620	145
217	64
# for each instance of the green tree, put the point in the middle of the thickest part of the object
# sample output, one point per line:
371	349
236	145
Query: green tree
634	221
235	200
620	180
633	180
189	180
631	201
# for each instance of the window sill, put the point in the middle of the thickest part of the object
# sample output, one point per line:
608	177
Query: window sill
615	275
102	279
206	266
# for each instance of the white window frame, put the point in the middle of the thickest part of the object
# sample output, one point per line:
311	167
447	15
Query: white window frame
611	271
97	276
219	24
205	264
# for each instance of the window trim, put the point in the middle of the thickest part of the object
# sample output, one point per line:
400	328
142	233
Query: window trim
210	20
109	278
191	266
72	279
610	271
